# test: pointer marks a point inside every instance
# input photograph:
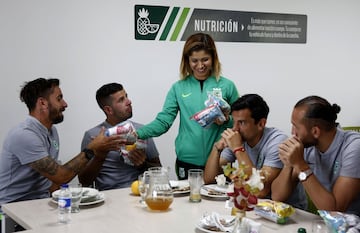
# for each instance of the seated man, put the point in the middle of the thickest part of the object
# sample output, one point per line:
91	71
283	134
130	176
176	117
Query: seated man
250	141
322	157
28	161
112	171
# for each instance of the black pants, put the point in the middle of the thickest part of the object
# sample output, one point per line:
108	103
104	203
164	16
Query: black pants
182	169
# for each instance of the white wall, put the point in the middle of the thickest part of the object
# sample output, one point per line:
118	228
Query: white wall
86	43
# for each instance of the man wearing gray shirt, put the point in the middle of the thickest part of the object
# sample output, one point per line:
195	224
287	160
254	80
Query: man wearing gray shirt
29	166
113	171
251	142
322	157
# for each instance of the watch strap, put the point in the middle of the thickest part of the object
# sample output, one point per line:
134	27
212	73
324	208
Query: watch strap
308	172
89	154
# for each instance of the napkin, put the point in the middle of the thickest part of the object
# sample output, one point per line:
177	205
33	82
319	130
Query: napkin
213	221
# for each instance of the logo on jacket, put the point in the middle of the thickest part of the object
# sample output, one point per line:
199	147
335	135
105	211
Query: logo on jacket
186	95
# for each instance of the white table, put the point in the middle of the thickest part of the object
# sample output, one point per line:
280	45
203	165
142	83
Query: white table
122	212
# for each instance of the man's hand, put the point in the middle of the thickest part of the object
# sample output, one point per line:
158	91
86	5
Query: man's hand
102	144
291	153
233	138
137	157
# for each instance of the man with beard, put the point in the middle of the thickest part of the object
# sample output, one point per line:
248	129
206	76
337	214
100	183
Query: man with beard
113	172
28	162
322	157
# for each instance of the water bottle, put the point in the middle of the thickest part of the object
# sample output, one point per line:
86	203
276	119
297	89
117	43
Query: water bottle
64	204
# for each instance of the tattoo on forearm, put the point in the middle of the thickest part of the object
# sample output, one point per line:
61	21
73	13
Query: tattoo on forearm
75	164
46	165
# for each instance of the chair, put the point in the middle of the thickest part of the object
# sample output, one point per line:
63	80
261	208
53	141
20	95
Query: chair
351	128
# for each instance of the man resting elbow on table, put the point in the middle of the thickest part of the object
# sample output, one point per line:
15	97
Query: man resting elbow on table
251	142
322	157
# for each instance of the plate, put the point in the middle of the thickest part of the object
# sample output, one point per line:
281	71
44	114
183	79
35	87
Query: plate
100	198
180	186
201	228
89	195
204	191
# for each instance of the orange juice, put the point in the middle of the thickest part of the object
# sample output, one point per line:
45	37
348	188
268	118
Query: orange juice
159	203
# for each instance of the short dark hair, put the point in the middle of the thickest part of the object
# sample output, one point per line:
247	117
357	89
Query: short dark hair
104	92
40	87
319	111
255	103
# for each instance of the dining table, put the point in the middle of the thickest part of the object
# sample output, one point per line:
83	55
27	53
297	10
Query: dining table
121	211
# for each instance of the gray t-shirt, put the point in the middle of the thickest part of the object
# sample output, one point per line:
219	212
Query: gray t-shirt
115	173
341	159
27	142
266	153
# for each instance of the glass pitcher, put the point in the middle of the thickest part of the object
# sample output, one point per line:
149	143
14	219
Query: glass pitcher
159	194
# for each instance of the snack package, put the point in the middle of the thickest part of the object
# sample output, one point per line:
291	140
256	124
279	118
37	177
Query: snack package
214	98
207	116
126	129
339	222
278	212
215	109
139	144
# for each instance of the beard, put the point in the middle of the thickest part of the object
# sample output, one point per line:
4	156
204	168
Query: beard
55	115
309	141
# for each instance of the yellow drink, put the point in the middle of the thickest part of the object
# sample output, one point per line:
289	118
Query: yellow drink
159	203
195	197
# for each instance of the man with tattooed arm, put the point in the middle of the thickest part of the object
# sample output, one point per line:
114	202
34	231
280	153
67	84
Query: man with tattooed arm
28	161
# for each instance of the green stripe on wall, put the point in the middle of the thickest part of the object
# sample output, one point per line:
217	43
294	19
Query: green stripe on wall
169	23
180	23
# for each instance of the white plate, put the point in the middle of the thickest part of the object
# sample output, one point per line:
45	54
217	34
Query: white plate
205	192
226	217
182	185
99	199
89	195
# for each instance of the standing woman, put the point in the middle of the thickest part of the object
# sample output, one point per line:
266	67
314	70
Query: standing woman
200	75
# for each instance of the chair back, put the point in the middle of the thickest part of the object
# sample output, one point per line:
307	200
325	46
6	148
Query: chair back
351	128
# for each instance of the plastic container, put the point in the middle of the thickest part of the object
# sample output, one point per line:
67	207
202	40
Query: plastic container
64	204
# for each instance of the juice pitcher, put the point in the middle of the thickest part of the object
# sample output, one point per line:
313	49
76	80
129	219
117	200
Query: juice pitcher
159	195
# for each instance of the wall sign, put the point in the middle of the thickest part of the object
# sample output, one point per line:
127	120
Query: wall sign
165	23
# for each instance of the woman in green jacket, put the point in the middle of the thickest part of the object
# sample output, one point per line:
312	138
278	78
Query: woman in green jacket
200	75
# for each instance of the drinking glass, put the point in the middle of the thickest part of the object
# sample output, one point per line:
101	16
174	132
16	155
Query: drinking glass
195	177
76	194
319	226
144	180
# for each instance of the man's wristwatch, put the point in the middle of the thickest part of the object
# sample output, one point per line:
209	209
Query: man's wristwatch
304	174
89	154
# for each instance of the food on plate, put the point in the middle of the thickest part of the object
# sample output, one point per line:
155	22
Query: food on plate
180	189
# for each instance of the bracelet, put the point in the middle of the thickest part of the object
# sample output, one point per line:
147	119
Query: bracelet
242	149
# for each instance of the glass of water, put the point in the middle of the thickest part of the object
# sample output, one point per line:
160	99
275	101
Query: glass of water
76	194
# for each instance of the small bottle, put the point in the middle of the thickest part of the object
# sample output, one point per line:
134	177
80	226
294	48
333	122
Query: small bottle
64	204
301	230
